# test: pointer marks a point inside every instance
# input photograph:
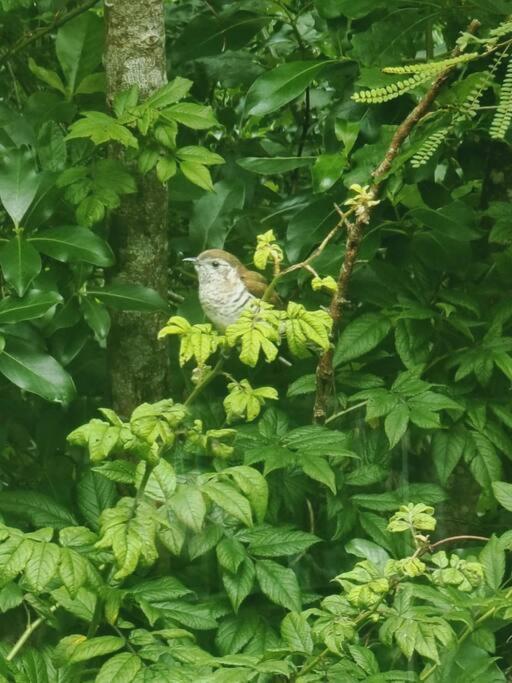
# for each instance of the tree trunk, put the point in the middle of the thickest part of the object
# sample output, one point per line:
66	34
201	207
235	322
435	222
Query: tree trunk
135	54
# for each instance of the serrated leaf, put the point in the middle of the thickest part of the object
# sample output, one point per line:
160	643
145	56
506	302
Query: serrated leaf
296	632
361	336
123	668
228	498
279	584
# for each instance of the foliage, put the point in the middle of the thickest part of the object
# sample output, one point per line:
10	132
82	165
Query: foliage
219	535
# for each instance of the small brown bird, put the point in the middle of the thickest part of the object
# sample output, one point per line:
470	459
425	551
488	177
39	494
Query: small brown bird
226	286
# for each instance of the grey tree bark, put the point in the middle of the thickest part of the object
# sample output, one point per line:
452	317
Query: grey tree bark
135	54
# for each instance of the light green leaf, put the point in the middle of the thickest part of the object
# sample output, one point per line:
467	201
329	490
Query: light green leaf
191	115
101	128
228	498
123	668
239	585
189	506
49	77
503	494
42	566
197	174
253	484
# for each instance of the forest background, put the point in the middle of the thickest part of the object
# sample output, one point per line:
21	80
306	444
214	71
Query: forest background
176	504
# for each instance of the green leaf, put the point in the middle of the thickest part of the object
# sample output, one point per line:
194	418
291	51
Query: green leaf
199	155
165	169
91	84
95	494
279	584
276	542
195	116
101	128
82	606
360	336
189	506
296	632
230	554
239	585
275	88
170	93
447	450
96	316
78	648
42	566
79	47
20	263
253	484
273	165
228	498
503	494
32	305
396	423
211	215
37	373
318	468
492	557
197	174
19	183
72	570
123	668
73	243
49	77
129	297
327	170
39	509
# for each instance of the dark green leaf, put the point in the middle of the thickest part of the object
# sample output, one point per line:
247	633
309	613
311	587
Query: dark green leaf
73	243
128	297
275	88
32	305
20	263
19	183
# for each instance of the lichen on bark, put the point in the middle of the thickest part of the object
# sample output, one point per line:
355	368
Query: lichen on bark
135	54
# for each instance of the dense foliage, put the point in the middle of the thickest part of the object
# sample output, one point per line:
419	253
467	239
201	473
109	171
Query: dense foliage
216	533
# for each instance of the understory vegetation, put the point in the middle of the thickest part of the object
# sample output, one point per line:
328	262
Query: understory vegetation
321	492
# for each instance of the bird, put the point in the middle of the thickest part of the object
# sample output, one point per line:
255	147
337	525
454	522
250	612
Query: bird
226	286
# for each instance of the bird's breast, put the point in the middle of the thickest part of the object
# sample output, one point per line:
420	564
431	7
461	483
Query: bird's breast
223	305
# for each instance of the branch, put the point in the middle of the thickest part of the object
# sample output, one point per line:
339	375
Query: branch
26	635
325	372
59	20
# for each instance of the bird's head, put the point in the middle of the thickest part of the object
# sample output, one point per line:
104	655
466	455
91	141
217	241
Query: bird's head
216	267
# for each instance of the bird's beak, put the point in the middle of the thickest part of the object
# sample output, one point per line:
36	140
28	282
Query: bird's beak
192	259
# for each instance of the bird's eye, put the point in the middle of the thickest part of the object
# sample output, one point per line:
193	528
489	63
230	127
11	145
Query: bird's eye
215	264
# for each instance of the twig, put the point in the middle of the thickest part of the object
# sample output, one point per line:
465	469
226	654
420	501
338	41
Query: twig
451	539
325	370
199	388
58	21
343	221
26	635
344	412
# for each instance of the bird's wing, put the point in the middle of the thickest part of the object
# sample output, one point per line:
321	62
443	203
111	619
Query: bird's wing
256	284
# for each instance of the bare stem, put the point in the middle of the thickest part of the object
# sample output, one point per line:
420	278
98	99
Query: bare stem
26	635
325	383
199	388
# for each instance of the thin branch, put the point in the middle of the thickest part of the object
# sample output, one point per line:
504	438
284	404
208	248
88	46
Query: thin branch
26	635
58	21
325	372
452	539
199	388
